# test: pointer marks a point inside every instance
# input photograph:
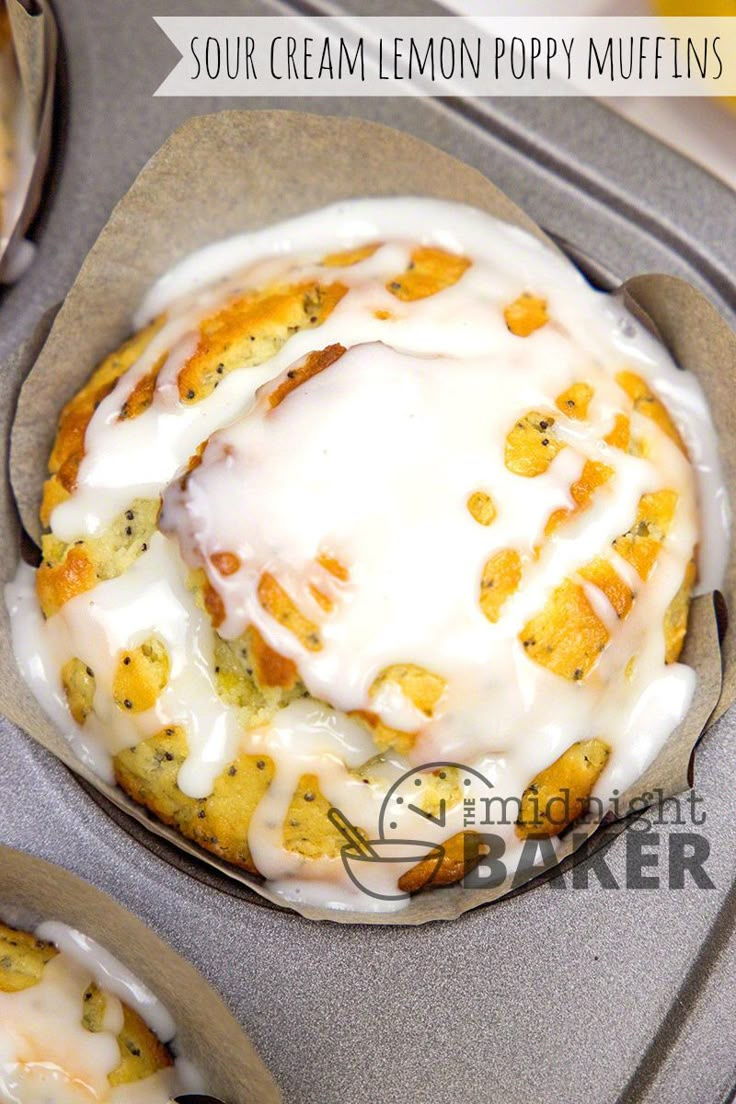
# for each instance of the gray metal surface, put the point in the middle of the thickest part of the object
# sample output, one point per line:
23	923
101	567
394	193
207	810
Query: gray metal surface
602	995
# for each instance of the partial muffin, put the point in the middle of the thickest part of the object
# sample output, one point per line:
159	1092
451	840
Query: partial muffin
63	1034
15	136
406	498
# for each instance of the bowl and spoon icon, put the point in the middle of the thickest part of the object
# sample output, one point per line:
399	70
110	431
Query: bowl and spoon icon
366	860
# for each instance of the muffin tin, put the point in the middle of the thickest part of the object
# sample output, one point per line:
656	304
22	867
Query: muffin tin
608	994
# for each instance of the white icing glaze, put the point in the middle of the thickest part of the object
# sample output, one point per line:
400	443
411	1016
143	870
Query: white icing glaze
46	1054
150	599
110	975
125	459
372	461
33	644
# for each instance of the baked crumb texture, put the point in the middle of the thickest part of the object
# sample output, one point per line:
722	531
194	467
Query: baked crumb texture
566	635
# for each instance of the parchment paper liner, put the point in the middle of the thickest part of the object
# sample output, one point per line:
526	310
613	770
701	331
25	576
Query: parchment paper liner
32	890
234	171
35	40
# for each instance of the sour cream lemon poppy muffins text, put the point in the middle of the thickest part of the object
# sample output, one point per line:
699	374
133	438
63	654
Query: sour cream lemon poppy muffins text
384	486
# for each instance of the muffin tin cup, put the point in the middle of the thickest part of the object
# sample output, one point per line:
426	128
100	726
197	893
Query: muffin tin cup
255	168
33	891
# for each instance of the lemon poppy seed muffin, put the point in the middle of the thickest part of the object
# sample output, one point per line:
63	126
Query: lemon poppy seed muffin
64	1034
382	517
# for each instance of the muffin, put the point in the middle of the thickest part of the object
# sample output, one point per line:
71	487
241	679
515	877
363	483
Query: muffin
62	1033
384	492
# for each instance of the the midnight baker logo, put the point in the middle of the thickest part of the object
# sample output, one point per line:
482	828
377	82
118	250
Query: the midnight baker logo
418	828
406	823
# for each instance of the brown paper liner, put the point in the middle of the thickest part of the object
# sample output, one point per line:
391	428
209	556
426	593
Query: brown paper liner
701	341
207	1034
255	168
35	41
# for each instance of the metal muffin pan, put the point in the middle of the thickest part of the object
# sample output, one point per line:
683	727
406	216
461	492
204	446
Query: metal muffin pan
557	993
